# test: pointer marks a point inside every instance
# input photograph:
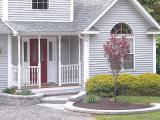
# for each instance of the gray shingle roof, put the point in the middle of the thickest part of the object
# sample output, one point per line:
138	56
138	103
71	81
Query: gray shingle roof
85	11
152	29
4	28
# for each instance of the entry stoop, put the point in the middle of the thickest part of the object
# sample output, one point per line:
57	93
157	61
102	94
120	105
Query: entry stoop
60	99
57	91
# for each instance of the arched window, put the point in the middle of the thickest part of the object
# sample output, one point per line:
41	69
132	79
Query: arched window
123	29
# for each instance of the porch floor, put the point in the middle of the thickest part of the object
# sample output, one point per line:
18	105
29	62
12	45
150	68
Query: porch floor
52	85
64	90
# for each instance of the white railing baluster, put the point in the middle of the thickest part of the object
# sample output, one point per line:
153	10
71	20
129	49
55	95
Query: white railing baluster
67	75
73	73
29	75
63	75
70	73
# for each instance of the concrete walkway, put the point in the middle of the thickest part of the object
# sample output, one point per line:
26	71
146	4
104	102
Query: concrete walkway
38	112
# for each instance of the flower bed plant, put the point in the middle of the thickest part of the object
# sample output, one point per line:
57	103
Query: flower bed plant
147	84
23	91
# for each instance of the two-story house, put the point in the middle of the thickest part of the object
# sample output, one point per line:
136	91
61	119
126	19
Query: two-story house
61	41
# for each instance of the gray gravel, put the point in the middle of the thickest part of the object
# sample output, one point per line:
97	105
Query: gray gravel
37	112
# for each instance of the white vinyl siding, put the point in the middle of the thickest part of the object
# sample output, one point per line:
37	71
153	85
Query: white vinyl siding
1	9
4	61
122	11
21	10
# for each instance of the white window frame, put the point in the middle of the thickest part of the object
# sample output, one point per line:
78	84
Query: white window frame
128	36
40	9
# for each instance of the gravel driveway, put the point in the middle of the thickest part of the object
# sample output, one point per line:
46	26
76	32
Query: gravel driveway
37	112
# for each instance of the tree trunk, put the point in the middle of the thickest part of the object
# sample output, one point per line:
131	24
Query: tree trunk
115	85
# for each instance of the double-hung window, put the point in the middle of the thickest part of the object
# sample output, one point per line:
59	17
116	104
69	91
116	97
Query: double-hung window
120	30
40	4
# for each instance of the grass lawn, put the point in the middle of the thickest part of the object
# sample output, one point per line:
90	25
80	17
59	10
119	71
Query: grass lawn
139	100
146	116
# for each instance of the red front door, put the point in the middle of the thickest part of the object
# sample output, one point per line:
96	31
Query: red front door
34	57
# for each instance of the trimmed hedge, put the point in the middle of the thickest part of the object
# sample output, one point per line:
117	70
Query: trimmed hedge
147	84
101	85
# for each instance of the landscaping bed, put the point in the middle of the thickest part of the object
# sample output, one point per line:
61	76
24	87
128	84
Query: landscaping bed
20	100
12	96
109	104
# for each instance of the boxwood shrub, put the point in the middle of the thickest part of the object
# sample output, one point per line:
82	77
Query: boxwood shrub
101	85
147	84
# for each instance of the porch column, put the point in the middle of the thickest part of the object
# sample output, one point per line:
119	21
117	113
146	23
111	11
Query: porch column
10	76
39	61
154	54
19	62
59	40
86	57
79	61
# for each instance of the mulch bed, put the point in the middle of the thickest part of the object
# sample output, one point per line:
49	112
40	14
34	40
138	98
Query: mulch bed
109	104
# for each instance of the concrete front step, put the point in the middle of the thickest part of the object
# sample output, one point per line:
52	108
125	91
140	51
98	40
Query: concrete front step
61	99
58	90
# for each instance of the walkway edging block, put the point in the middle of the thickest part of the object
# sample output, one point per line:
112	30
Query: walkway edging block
70	106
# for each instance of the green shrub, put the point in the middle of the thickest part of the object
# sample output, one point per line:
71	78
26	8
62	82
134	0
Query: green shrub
11	90
127	84
147	84
25	91
101	85
90	98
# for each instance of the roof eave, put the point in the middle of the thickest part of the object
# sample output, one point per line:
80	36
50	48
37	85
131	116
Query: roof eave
101	15
14	32
147	16
136	4
153	33
44	33
90	32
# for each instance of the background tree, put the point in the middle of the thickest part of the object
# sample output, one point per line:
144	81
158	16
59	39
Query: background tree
153	7
117	52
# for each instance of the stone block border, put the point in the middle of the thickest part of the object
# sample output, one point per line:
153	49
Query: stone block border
70	106
20	100
76	98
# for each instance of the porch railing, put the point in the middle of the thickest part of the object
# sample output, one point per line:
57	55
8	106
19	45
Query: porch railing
29	75
70	74
15	73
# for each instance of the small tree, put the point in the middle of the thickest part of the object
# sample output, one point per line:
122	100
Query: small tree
117	51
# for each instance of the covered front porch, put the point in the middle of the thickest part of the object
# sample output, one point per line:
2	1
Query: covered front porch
42	60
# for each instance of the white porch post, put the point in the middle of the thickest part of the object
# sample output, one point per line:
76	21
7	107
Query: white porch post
39	60
59	61
154	54
79	61
86	57
10	76
19	62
